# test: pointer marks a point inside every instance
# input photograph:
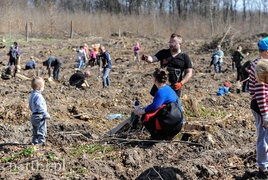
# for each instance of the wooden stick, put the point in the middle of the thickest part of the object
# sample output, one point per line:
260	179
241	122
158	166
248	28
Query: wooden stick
156	141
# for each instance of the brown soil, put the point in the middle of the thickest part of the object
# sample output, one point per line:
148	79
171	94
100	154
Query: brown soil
217	141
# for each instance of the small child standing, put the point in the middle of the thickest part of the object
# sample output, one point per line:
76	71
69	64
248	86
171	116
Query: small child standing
39	115
224	89
136	52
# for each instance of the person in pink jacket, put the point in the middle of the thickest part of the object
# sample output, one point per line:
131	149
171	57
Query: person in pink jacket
92	56
136	52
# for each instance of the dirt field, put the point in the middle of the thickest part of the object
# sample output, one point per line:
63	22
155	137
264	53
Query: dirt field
217	141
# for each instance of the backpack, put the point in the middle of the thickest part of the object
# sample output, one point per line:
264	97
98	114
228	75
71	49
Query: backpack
165	122
6	74
245	65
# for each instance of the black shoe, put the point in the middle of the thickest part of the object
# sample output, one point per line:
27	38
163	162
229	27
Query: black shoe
262	174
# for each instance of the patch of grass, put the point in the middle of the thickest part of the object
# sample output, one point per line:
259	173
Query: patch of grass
24	153
8	159
95	150
81	170
15	170
51	156
61	52
205	113
27	152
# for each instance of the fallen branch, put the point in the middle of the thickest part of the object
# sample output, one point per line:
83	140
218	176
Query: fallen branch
156	141
78	115
12	144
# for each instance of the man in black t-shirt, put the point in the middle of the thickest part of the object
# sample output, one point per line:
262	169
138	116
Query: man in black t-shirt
177	63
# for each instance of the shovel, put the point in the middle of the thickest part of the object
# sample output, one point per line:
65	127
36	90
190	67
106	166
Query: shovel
119	126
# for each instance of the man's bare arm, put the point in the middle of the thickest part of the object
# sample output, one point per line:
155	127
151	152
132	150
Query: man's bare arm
148	58
187	76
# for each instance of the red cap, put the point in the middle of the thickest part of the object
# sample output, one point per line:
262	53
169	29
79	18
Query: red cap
227	84
143	57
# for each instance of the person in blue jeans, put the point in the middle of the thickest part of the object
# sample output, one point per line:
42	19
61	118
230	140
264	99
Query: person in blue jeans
81	57
217	56
106	66
39	115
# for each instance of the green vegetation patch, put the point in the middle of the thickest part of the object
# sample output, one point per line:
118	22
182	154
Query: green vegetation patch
96	151
27	152
205	113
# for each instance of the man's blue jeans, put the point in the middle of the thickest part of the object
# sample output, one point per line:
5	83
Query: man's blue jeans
105	77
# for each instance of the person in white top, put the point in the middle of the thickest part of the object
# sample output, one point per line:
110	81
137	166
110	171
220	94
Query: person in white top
81	57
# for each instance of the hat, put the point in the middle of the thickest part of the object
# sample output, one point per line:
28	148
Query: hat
11	46
263	44
227	84
219	46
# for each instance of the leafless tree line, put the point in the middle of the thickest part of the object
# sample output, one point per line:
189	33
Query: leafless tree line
219	15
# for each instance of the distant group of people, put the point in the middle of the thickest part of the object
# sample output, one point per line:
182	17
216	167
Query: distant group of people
237	57
97	55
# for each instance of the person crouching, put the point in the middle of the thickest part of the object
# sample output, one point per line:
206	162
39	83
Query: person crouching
162	118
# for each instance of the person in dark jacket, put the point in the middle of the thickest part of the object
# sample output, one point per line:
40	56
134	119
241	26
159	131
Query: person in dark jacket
106	66
78	79
245	70
13	60
237	58
52	61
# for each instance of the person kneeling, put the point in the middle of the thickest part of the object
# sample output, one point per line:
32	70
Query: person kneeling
162	118
78	79
30	64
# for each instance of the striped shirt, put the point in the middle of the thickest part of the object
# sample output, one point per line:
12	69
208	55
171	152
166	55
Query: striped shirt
258	91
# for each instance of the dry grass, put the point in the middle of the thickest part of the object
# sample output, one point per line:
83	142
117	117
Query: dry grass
51	23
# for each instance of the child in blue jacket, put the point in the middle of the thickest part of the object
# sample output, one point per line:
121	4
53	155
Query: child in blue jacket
224	89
